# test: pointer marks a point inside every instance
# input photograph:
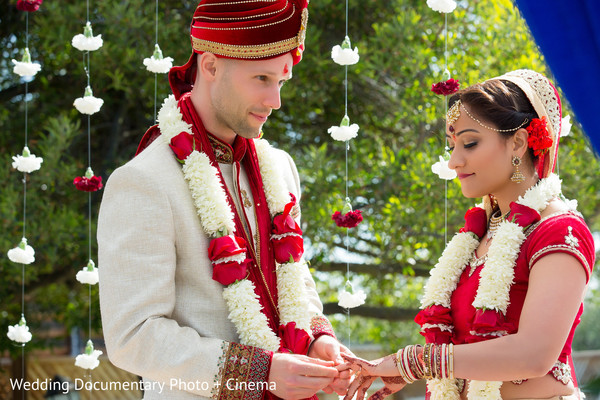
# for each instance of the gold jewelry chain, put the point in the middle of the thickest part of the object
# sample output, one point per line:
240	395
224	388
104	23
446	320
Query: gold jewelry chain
489	127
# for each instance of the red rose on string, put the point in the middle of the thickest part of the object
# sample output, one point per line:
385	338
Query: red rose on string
349	220
539	138
228	255
445	87
475	221
286	237
28	5
89	182
183	145
293	339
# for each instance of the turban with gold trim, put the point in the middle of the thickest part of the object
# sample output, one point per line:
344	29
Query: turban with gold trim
243	29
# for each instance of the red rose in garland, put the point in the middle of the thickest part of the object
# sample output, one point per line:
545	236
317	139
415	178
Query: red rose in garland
286	236
89	182
228	255
293	339
183	145
523	215
475	221
28	5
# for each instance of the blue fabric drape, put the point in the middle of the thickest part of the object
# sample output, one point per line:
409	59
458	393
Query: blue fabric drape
568	34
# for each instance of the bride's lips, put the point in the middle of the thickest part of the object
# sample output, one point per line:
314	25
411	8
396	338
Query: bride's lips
463	176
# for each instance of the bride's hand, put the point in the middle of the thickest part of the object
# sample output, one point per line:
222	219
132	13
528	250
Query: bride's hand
368	371
385	366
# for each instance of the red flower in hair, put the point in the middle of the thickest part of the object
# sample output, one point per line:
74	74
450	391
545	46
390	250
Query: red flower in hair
86	184
539	137
445	87
349	220
28	5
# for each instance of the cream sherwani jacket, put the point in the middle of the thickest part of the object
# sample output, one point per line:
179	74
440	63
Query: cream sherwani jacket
163	315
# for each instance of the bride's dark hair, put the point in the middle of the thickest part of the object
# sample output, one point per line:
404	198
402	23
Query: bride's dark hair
498	102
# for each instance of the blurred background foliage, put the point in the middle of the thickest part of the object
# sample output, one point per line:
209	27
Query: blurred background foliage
407	219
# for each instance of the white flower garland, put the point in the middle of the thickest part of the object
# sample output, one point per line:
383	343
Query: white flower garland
245	311
494	282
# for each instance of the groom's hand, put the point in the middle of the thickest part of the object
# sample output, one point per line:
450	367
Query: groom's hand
328	348
298	377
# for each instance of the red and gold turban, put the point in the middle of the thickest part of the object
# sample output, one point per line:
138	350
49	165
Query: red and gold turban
245	30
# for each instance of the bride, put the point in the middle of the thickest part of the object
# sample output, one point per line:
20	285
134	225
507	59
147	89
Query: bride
501	306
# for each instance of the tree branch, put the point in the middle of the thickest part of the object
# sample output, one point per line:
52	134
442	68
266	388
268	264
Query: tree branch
386	313
420	270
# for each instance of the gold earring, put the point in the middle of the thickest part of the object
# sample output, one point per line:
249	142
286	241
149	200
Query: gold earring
517	176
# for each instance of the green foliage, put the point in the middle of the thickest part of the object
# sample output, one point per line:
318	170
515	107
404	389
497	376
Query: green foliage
401	44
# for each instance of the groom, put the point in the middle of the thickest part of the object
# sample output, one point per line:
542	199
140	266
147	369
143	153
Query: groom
203	290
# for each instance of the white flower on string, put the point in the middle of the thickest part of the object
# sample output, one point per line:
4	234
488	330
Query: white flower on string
89	274
89	359
443	6
442	170
566	125
22	254
344	55
20	332
25	67
157	63
88	104
27	162
350	298
345	131
87	41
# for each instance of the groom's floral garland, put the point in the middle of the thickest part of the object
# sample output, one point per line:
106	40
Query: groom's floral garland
228	252
494	283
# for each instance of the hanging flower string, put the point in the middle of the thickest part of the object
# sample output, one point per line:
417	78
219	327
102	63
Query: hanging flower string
442	169
20	332
344	55
347	218
89	358
157	63
22	254
28	5
88	104
89	274
344	131
350	297
87	41
25	67
442	6
26	163
89	182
